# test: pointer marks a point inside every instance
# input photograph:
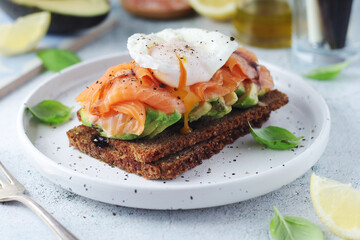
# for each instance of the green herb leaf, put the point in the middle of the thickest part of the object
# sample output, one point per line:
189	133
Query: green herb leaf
57	59
275	137
293	228
51	111
327	72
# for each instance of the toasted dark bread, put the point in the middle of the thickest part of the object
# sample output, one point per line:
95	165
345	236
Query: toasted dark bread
171	153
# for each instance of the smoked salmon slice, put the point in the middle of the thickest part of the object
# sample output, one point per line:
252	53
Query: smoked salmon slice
118	99
242	65
126	117
128	82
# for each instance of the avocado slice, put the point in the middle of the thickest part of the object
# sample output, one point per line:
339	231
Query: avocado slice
66	15
156	122
219	109
80	8
250	98
202	109
171	119
230	98
262	92
213	100
123	137
241	90
154	118
86	118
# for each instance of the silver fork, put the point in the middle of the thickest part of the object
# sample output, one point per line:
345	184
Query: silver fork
12	190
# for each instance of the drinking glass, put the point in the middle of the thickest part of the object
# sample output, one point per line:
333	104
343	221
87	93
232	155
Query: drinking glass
263	23
326	31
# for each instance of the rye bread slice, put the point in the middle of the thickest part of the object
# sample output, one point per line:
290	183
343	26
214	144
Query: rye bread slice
170	166
174	153
171	140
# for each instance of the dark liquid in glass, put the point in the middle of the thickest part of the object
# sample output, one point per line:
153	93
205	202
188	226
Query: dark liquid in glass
335	15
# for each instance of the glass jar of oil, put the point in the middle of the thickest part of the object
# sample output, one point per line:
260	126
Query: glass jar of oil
264	23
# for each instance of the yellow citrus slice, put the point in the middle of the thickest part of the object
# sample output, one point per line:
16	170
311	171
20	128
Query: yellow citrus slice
24	34
337	205
216	9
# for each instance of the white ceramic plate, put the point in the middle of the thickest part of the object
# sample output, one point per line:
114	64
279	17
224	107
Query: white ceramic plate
241	171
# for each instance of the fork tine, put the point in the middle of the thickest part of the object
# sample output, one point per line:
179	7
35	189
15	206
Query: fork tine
8	175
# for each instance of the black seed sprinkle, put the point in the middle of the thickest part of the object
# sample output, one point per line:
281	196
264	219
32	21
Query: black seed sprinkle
232	38
100	141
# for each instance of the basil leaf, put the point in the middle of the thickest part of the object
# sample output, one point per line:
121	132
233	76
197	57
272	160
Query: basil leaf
293	228
275	137
57	59
327	72
51	111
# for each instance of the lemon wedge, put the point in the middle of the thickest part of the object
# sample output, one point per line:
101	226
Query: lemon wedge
215	9
23	35
337	205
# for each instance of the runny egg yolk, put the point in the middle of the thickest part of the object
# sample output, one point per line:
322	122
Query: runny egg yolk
186	95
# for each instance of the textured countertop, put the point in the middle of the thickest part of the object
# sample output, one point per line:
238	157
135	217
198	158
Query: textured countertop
250	219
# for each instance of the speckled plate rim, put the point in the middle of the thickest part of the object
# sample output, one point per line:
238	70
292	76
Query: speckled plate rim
59	174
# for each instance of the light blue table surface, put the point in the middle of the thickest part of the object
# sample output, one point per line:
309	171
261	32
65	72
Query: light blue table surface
250	219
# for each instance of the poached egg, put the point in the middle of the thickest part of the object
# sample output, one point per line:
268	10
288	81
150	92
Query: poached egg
170	53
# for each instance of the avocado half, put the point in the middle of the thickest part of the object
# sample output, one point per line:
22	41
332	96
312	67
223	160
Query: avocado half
67	16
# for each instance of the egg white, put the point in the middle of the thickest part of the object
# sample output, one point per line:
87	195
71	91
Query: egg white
202	53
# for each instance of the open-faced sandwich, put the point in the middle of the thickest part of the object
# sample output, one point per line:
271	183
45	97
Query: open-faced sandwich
186	94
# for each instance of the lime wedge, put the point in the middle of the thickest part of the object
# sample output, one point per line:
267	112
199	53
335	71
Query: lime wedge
23	35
